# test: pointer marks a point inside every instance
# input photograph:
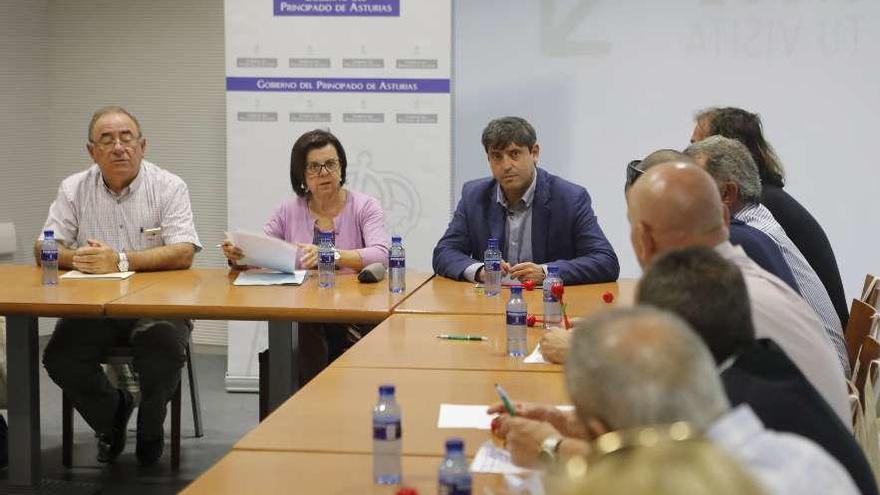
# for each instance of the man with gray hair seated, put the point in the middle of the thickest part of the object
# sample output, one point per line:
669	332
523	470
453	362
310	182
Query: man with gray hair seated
728	162
636	367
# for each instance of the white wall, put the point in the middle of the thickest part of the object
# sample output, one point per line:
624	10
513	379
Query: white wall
605	82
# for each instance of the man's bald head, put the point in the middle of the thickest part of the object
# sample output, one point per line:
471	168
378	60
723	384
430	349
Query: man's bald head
675	205
642	366
660	157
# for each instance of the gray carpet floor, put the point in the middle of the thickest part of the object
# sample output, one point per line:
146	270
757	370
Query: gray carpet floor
226	418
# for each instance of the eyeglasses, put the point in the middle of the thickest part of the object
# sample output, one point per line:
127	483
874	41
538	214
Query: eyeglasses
315	168
633	172
108	142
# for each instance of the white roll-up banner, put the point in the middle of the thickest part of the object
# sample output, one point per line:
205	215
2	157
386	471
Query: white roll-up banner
376	73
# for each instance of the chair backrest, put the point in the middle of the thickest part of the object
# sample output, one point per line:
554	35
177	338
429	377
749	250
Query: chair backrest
869	352
7	241
871	290
858	327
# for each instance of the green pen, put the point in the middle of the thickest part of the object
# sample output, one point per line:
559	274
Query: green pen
447	336
505	400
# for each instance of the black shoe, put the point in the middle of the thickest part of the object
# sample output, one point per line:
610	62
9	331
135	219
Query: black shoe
149	449
112	444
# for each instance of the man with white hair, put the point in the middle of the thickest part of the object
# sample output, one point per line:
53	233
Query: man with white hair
728	162
636	367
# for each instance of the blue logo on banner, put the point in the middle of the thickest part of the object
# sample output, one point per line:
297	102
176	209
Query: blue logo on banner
336	85
348	8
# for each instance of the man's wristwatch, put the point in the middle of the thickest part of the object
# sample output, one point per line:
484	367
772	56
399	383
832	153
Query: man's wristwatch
549	449
122	264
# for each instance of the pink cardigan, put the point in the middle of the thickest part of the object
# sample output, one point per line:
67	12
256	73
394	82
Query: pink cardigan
359	226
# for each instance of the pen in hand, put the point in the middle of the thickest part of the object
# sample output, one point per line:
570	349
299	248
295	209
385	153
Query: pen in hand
505	400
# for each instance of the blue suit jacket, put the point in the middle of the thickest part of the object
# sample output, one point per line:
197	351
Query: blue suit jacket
565	231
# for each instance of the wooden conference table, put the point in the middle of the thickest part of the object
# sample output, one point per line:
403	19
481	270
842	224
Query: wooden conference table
332	414
23	299
410	341
445	296
195	293
243	471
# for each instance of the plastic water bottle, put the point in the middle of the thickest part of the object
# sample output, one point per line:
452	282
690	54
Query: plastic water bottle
552	304
516	322
397	266
326	261
492	269
454	477
386	438
49	258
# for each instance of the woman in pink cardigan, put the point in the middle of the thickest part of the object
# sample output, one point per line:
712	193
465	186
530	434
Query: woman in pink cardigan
321	204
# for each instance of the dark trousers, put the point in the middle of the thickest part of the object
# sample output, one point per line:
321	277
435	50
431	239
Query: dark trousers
321	343
72	359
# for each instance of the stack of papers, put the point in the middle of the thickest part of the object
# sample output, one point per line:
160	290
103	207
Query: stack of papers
265	252
74	274
492	459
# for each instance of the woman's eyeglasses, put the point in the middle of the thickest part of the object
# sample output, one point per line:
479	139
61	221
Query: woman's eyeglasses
315	168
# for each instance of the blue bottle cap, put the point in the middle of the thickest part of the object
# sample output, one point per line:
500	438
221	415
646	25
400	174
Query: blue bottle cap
493	243
516	289
386	389
553	269
396	239
454	445
47	234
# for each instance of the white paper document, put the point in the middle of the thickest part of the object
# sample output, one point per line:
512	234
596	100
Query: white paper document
464	416
535	357
492	459
265	252
266	277
74	274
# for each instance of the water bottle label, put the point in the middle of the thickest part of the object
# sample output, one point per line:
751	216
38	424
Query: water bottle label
397	263
326	257
49	256
515	318
493	266
453	488
387	431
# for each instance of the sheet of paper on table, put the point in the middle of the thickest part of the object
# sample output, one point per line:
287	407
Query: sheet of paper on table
77	275
265	252
464	416
270	277
535	357
471	416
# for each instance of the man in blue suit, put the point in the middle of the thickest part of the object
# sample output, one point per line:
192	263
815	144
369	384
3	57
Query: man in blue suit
537	217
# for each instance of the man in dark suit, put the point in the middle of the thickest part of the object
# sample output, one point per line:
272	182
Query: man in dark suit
537	217
709	293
